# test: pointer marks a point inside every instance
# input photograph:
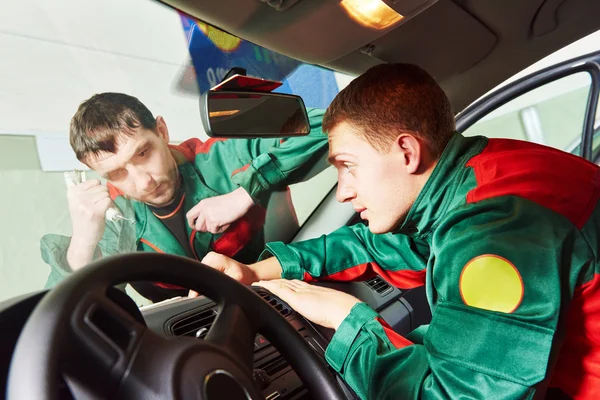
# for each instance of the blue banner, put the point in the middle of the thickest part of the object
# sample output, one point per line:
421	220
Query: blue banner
214	53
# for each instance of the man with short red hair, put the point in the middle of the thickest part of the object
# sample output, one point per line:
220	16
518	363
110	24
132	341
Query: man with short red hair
504	234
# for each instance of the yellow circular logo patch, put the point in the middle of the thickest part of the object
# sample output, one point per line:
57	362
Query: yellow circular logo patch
492	283
223	40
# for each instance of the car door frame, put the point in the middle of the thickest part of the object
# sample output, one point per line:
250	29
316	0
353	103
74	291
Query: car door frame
587	63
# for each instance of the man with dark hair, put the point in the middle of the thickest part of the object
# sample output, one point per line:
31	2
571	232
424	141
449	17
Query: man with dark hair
504	234
186	199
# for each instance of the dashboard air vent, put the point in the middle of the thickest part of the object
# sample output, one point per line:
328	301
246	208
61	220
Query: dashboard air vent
190	325
275	303
379	285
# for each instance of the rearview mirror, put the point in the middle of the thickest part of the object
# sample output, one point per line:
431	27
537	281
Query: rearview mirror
253	114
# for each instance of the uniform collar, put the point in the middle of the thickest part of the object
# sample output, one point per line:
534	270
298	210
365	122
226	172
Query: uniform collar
149	226
439	193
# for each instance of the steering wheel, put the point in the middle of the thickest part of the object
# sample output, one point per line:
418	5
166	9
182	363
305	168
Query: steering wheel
104	352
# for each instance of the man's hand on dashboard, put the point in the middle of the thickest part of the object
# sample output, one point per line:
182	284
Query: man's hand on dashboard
246	274
234	269
323	306
215	214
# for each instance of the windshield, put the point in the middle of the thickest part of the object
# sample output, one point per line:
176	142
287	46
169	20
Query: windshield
58	54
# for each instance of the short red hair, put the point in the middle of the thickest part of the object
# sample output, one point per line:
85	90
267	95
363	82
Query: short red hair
390	99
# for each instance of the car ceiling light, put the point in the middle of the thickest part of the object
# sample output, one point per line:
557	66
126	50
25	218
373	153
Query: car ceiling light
227	113
371	13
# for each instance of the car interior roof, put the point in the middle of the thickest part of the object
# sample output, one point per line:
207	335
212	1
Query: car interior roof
469	46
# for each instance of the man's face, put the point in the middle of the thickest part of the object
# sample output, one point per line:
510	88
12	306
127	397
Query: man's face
143	167
381	187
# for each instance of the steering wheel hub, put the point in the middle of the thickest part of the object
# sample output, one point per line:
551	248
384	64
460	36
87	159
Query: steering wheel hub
219	384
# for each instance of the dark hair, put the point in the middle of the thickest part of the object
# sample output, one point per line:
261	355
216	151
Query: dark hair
392	98
101	119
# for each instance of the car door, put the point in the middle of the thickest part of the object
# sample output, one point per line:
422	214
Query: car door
556	106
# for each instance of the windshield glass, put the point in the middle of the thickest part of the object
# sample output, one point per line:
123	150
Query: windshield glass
59	54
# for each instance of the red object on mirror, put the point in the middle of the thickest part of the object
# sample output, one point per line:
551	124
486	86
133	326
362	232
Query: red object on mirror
247	83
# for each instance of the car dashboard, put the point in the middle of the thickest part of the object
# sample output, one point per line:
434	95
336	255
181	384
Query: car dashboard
194	316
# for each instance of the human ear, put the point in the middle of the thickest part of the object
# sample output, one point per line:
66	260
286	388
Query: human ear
411	150
161	129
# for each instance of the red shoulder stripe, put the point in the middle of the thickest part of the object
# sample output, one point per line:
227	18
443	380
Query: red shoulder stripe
192	147
562	182
405	279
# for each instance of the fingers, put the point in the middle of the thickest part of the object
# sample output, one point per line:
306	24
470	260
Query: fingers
216	228
197	219
298	284
92	188
200	224
99	196
192	215
104	204
97	189
213	215
211	258
294	285
215	260
279	287
192	294
90	193
90	184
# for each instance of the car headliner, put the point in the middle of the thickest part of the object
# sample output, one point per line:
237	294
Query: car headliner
469	46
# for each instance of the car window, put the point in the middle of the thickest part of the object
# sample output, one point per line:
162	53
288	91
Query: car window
57	55
552	114
596	140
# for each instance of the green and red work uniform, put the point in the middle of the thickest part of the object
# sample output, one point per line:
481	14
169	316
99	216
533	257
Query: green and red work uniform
505	238
207	169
